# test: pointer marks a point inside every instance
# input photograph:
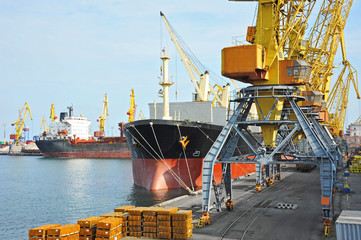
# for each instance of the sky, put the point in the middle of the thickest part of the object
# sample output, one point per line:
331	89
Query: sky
73	52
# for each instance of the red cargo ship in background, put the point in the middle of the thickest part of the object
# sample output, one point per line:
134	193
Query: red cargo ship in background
69	138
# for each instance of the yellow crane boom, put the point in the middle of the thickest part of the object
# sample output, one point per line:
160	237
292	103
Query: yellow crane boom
323	42
325	38
44	124
141	115
104	114
278	37
52	113
131	111
203	87
20	122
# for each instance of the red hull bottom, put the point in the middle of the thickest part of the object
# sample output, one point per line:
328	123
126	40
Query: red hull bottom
95	154
154	175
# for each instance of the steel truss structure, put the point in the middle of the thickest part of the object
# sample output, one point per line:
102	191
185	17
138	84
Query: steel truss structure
300	140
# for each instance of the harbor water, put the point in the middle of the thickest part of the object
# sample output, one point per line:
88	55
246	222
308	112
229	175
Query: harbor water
36	191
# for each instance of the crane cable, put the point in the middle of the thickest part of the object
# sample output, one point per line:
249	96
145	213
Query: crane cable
188	52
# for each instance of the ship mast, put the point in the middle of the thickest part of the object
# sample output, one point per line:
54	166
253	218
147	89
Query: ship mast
165	84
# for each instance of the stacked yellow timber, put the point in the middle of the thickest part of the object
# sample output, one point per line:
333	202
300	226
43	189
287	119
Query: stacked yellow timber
125	227
109	228
125	216
164	222
121	215
123	209
65	232
88	227
112	214
150	222
135	221
182	226
40	233
356	165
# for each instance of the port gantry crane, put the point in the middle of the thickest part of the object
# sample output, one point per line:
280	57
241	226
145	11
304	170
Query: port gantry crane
20	122
324	39
203	87
287	92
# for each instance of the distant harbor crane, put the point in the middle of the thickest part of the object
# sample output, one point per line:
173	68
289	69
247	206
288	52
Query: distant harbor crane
102	118
20	123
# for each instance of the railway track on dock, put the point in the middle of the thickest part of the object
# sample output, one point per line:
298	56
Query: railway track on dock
248	209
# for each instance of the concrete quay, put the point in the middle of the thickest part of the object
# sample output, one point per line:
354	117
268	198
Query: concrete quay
256	215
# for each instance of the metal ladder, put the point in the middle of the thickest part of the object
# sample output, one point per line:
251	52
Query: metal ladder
324	157
315	142
215	150
331	145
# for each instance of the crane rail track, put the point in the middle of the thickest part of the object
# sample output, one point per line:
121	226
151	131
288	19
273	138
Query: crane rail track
262	203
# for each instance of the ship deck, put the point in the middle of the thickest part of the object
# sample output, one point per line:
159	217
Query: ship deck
256	216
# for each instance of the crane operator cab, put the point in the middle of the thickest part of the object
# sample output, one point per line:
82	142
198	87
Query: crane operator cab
294	72
247	64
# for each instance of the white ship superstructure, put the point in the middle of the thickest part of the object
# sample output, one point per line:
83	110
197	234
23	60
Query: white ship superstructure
77	127
71	127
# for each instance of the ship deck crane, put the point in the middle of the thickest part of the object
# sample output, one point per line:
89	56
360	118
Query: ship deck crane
104	114
132	108
44	125
53	117
141	115
203	87
20	122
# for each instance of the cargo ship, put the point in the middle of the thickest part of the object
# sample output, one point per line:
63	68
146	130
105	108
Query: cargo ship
168	152
69	138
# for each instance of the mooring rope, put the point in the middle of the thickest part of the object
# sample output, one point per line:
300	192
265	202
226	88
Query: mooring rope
160	160
156	139
205	134
185	157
